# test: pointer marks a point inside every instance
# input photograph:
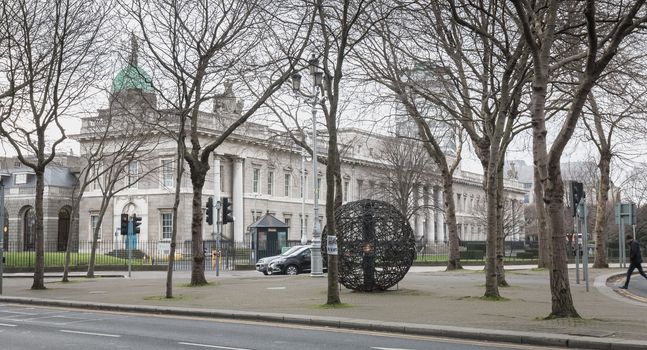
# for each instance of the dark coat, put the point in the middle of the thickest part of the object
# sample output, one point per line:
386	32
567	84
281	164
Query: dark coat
634	253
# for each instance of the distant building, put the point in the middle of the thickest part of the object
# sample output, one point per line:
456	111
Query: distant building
20	191
519	170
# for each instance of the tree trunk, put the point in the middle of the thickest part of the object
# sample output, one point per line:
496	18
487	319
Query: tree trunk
454	258
599	232
500	237
542	231
39	272
331	206
176	203
66	265
198	175
562	300
95	238
491	280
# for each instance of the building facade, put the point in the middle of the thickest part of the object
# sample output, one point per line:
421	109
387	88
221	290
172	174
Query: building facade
19	203
259	171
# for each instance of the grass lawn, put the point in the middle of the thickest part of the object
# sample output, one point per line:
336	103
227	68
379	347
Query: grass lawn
56	259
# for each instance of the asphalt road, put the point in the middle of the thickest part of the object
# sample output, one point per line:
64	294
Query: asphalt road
23	327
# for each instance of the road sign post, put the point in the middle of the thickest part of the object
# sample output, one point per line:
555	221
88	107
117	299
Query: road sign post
331	245
129	237
625	214
585	243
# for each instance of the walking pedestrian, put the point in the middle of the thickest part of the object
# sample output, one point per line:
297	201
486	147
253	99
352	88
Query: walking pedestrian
635	259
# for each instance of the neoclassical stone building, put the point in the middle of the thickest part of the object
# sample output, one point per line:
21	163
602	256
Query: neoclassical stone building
20	193
259	172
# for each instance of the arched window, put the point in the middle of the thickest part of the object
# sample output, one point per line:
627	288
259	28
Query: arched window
28	224
63	229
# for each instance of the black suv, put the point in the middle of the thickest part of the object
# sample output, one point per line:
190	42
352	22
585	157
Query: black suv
296	262
263	263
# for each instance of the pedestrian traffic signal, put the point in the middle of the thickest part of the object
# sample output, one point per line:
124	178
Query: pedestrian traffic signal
124	224
577	193
137	220
210	210
226	211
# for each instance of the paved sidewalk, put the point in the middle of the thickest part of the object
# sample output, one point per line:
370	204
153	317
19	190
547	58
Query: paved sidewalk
428	301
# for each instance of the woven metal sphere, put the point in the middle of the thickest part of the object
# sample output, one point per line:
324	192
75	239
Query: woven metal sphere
375	243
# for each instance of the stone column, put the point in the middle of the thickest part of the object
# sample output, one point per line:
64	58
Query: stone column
429	214
237	194
440	216
420	214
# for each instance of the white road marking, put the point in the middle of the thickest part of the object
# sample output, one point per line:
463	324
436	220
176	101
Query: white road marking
211	346
7	325
19	313
275	288
90	333
378	348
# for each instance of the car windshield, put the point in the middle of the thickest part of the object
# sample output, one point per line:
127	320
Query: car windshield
291	250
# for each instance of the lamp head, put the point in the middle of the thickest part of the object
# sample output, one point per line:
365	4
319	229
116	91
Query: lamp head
319	79
313	64
296	82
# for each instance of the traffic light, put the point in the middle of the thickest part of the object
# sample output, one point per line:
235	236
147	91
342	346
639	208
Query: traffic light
210	210
124	224
137	220
577	193
226	211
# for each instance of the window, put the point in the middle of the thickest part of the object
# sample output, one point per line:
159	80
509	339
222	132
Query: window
94	220
286	185
222	177
256	177
318	186
167	172
21	179
287	222
359	188
305	180
167	225
133	173
96	170
346	187
270	182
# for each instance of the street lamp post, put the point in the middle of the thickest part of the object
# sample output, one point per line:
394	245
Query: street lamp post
317	80
304	239
2	232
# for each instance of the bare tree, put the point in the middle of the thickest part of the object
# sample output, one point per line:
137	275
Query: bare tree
196	45
483	69
614	120
601	37
341	27
435	129
125	160
406	165
50	48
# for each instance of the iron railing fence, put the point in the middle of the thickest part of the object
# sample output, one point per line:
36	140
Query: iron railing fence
234	255
143	253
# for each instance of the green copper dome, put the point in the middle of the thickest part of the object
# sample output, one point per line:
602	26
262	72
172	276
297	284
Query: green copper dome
132	77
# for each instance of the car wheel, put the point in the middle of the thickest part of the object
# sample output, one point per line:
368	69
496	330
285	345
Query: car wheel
291	270
265	273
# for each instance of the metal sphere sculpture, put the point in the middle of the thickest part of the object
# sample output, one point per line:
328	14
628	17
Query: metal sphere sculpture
376	245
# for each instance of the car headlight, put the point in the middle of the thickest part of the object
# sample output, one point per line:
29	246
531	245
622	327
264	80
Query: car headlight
261	261
278	261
